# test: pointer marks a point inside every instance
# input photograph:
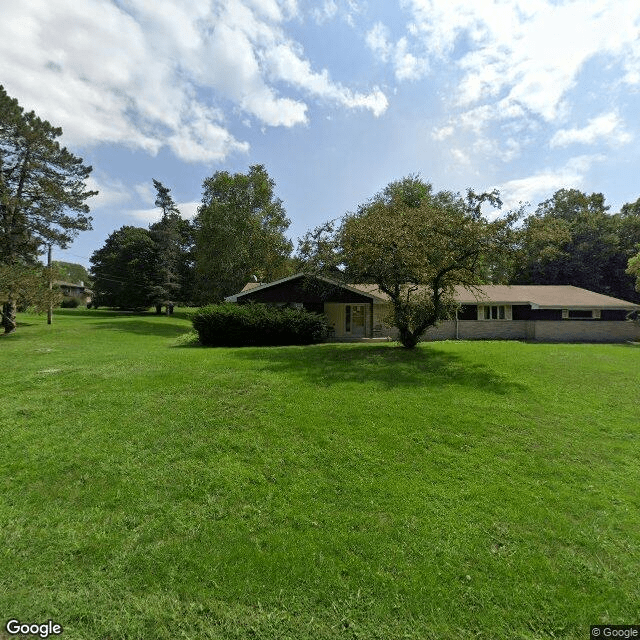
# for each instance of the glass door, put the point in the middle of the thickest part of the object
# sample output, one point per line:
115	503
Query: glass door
355	319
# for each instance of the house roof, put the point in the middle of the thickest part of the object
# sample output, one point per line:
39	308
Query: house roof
72	285
257	286
538	296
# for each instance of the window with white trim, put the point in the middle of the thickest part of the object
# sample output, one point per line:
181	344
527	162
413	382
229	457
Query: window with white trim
494	312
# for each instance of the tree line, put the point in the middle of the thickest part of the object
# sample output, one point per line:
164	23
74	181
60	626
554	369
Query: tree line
415	243
238	234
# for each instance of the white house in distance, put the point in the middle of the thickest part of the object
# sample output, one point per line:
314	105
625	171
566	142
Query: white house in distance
549	313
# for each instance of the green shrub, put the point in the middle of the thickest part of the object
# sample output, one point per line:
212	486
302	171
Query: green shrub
234	325
70	302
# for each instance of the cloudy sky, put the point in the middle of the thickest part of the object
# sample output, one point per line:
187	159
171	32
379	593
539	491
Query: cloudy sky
335	97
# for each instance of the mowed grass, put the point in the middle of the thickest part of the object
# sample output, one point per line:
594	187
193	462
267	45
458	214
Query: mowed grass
155	490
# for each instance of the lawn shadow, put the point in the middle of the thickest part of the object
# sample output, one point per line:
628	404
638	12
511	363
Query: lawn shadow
388	366
140	326
98	313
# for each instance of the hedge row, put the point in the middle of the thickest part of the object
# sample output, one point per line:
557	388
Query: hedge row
237	325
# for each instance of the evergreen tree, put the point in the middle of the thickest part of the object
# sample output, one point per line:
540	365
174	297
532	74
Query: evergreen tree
40	183
126	269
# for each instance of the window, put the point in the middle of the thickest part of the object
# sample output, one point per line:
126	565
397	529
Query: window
494	312
581	314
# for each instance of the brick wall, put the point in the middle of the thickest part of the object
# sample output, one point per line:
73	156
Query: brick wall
540	330
586	331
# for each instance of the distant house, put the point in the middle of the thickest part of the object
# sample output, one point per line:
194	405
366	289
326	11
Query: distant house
550	313
75	290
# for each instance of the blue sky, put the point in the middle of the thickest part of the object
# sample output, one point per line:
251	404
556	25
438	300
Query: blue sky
336	98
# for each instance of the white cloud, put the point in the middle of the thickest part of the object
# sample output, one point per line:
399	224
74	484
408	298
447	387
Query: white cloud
544	184
285	63
377	40
148	216
461	157
406	65
187	211
442	133
608	126
326	12
153	73
110	192
145	191
525	53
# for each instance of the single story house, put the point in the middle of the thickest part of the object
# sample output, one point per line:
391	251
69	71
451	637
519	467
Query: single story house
75	290
550	313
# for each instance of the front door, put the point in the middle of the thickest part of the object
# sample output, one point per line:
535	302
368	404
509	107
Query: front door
354	320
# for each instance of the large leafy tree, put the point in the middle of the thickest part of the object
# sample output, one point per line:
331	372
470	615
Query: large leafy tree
41	186
126	269
174	238
417	245
240	233
72	272
573	239
628	221
633	269
28	286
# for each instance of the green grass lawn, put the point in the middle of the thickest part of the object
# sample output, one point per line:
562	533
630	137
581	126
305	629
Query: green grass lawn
156	490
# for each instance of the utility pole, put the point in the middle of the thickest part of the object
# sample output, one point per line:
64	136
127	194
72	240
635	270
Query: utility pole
50	310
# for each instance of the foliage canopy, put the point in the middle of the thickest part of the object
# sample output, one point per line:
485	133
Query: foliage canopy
41	184
240	233
573	239
417	245
126	270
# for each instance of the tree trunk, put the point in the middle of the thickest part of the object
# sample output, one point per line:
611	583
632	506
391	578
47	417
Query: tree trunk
9	317
408	338
158	309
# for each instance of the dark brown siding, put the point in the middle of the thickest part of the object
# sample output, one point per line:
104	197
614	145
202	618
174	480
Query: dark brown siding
521	312
468	312
545	314
613	314
305	291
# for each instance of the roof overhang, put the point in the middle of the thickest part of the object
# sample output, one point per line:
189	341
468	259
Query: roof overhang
335	283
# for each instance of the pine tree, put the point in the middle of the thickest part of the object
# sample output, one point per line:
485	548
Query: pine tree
173	236
40	182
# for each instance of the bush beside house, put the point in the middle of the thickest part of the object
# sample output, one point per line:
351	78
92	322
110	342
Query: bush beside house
231	325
